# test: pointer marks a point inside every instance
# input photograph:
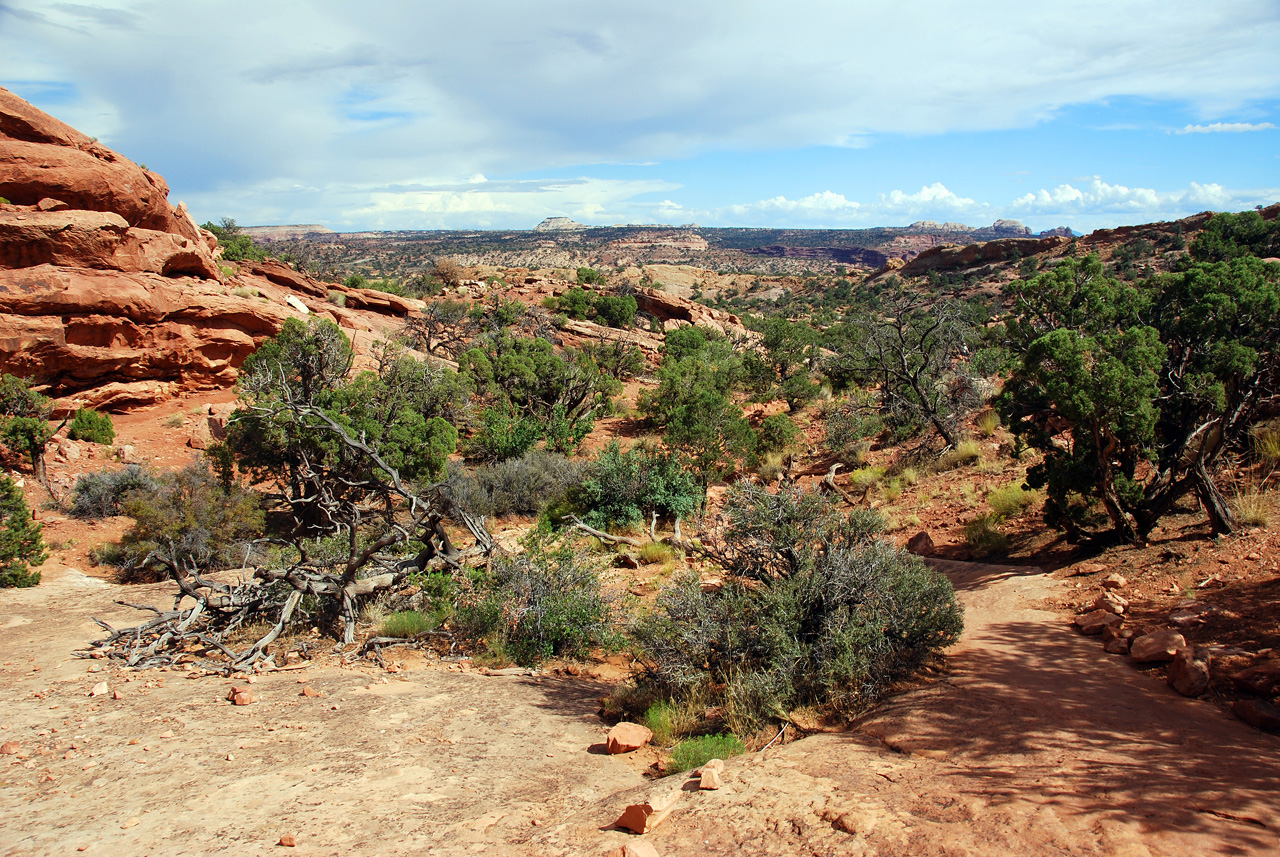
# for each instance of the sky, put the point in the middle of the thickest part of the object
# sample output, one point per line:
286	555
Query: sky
495	114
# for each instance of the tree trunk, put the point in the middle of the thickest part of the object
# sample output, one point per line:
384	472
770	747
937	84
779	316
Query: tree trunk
1221	518
37	466
1124	524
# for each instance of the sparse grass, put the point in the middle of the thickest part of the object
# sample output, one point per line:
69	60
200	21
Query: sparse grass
245	293
407	623
668	721
984	536
656	552
1266	445
987	423
865	477
856	453
373	613
1012	500
964	453
892	490
909	476
991	467
174	421
337	298
696	752
1252	508
770	467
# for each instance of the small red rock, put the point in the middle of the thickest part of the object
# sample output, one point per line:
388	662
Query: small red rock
288	841
626	737
9	748
310	691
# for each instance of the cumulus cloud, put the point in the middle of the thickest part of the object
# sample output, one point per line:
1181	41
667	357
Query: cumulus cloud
344	97
1097	197
1226	128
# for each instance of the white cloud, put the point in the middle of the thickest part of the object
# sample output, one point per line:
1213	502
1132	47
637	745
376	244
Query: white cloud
461	204
343	97
1226	128
1096	199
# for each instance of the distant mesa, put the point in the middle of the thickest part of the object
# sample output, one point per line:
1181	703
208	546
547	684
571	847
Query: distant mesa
1060	232
1012	228
286	233
558	224
935	226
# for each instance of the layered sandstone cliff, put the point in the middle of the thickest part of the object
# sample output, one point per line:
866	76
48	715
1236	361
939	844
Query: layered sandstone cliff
114	297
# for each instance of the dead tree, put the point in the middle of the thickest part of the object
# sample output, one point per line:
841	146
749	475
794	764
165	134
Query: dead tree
386	512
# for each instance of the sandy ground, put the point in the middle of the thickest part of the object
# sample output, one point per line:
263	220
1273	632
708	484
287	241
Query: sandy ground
1034	743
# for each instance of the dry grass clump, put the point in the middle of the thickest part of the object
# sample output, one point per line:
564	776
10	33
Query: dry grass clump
964	453
1012	500
1252	508
986	423
984	536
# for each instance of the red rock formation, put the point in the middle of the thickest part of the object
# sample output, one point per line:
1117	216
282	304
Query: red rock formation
670	308
951	257
113	296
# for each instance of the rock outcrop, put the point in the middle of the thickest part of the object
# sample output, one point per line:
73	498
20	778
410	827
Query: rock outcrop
673	311
949	257
114	297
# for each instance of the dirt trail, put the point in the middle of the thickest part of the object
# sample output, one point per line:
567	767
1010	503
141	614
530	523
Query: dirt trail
381	764
1035	743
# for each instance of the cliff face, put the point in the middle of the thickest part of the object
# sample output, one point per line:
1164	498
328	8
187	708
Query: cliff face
114	297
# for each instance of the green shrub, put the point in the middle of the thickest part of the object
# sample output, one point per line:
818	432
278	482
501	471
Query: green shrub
865	478
696	752
830	619
618	359
1012	500
102	494
21	545
544	602
24	421
337	298
92	426
575	303
504	433
666	721
590	276
234	243
187	520
407	623
615	310
624	488
849	424
777	433
518	485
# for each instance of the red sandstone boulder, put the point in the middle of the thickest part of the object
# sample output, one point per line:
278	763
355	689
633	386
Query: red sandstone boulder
626	737
1156	647
671	308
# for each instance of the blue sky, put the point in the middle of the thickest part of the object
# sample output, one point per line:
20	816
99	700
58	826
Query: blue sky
496	114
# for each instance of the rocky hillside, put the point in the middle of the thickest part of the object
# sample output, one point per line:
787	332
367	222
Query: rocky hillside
114	297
